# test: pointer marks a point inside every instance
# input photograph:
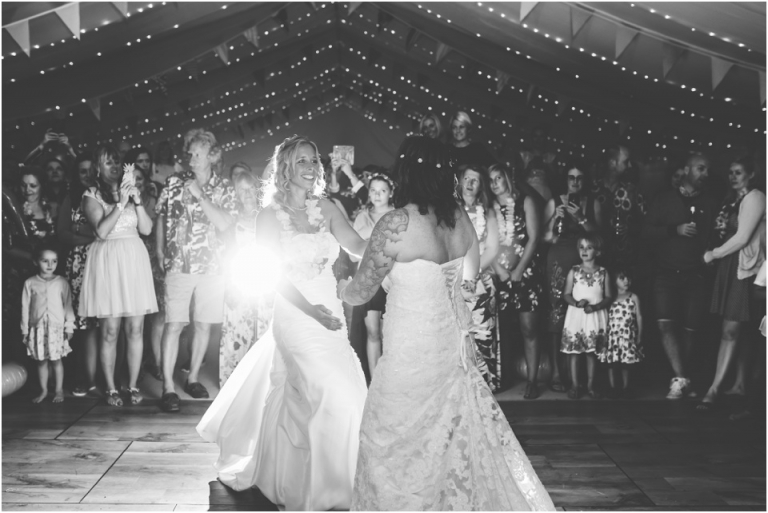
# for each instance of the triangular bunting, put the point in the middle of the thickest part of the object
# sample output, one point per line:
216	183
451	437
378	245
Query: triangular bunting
624	36
501	81
268	118
223	52
353	6
562	104
442	51
671	54
19	31
95	105
252	35
525	9
260	121
240	131
192	69
70	15
578	19
286	112
761	74
122	7
720	68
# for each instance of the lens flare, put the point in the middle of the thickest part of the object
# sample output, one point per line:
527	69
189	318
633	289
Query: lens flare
255	270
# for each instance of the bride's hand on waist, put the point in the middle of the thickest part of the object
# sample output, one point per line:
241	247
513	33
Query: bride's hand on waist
325	317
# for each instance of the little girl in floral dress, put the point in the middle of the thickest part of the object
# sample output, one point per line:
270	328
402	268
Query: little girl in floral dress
588	294
625	330
47	321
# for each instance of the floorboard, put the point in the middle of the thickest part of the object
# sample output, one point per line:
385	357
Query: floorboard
591	455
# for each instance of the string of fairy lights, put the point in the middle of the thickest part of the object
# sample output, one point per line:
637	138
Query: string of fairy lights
237	105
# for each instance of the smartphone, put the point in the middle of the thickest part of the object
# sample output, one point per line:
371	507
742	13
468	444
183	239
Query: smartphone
128	178
344	152
574	198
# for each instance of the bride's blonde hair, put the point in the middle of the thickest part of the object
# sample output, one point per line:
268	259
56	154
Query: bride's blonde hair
283	161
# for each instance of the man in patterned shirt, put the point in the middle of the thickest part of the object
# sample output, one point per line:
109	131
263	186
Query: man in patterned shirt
194	208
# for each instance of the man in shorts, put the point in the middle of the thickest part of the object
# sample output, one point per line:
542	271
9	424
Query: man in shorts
678	229
194	208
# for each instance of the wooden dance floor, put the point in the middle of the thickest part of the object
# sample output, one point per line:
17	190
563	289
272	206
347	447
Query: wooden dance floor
651	454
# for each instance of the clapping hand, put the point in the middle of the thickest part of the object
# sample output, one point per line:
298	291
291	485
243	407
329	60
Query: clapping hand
325	317
343	164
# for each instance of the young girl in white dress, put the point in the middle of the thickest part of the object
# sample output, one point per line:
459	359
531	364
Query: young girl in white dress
47	321
588	294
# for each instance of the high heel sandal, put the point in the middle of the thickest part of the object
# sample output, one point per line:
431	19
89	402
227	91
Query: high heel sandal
136	396
113	398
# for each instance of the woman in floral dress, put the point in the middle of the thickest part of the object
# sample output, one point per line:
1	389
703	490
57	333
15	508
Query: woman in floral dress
73	230
473	194
518	272
245	318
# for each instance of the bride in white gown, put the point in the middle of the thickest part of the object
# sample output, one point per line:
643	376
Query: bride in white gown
433	437
287	420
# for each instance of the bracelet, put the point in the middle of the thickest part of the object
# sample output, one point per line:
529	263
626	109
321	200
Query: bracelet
583	221
120	206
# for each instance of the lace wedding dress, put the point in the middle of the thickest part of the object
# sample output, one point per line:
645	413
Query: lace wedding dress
288	418
433	437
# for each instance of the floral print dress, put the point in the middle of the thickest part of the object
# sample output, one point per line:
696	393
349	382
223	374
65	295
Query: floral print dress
586	332
75	267
623	343
483	308
245	319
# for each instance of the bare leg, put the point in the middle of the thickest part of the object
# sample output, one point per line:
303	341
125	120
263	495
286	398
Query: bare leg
743	361
726	357
42	375
90	355
170	353
199	345
157	325
134	332
573	363
373	342
58	374
110	327
612	375
625	375
591	364
673	346
528	327
555	353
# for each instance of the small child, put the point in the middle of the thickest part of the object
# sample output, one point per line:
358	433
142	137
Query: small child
588	294
47	320
625	334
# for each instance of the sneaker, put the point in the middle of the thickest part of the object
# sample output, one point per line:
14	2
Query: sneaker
80	392
677	388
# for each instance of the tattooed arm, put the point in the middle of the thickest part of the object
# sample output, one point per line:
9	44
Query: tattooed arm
378	259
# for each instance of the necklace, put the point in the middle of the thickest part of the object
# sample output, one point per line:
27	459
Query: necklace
294	209
479	221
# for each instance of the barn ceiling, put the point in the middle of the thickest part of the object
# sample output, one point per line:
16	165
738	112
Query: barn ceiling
655	74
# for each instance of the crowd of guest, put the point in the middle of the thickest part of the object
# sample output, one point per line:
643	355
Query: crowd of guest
574	261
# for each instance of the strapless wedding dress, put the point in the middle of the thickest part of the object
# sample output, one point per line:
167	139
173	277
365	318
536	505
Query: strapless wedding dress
288	419
433	437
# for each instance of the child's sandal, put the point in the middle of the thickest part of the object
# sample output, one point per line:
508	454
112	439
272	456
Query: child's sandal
113	398
136	396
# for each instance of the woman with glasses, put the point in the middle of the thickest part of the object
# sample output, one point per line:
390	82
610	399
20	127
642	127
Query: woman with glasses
568	216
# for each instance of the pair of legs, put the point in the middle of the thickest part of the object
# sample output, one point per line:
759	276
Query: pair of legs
170	351
733	356
529	323
134	334
554	347
156	329
373	340
616	372
574	361
42	374
678	345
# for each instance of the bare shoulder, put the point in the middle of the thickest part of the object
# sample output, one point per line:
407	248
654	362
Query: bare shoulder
327	206
268	215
